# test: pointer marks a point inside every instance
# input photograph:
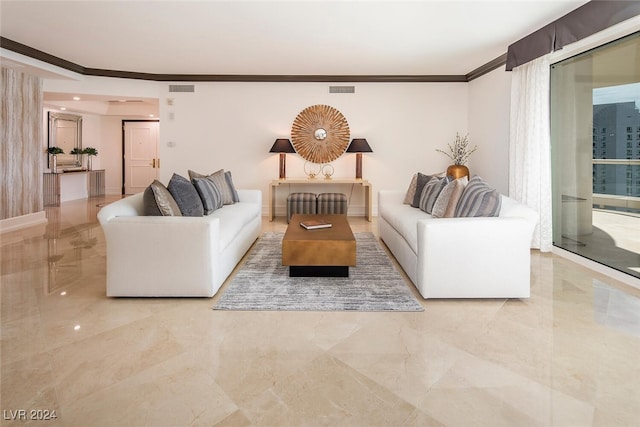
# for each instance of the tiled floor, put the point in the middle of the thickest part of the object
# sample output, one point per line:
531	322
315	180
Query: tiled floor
568	356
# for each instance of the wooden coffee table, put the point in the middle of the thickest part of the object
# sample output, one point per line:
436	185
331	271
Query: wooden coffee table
322	252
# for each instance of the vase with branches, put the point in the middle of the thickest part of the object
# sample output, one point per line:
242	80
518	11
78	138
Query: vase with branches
459	152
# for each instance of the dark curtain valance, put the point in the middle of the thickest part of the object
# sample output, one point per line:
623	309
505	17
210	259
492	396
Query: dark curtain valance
586	20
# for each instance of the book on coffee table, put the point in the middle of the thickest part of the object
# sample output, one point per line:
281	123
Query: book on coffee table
313	224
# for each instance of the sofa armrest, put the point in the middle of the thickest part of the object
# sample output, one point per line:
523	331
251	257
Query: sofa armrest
128	206
474	257
162	256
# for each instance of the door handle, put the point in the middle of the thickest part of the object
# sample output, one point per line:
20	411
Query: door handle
153	163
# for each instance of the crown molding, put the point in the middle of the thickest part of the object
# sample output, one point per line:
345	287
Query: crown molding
67	65
488	67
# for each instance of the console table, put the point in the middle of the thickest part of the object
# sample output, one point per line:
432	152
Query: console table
60	187
320	181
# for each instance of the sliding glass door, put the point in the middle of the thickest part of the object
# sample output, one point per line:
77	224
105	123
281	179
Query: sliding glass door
595	149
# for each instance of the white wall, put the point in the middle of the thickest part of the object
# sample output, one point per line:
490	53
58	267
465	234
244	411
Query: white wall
489	105
233	125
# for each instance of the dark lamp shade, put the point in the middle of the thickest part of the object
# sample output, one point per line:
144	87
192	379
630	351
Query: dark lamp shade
359	145
282	145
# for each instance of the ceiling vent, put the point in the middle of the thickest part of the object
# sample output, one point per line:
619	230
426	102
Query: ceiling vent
342	89
124	101
182	88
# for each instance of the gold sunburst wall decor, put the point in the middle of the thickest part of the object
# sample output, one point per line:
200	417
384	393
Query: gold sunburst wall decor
320	134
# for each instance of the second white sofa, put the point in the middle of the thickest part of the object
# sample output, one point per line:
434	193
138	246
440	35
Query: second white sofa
471	257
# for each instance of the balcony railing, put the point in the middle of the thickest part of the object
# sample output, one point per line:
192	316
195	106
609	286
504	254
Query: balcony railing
613	200
606	200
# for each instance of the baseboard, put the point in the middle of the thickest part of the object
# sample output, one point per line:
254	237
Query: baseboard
22	221
113	191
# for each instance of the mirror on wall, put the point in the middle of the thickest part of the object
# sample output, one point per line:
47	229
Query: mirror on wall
65	131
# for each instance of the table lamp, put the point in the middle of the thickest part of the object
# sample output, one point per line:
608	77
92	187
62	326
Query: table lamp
282	146
359	146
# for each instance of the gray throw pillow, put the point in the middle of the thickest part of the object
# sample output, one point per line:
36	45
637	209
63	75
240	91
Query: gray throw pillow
220	181
158	201
234	192
430	193
186	196
411	191
421	181
478	199
209	194
445	206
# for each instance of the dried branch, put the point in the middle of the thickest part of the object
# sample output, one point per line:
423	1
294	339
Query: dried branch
459	152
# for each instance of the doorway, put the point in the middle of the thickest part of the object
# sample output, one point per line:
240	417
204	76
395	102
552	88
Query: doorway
140	161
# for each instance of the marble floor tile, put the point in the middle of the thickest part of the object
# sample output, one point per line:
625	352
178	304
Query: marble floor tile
567	356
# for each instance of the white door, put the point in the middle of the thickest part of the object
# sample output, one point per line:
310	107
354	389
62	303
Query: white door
141	162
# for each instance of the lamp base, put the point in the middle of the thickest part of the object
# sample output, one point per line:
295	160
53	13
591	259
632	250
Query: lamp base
283	166
358	165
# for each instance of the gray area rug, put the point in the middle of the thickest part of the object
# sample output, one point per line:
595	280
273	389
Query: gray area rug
263	283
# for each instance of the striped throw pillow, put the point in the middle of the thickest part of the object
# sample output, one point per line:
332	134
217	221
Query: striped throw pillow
209	193
221	181
430	193
478	199
445	206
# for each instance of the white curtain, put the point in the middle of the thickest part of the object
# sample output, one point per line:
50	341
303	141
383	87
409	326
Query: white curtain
529	145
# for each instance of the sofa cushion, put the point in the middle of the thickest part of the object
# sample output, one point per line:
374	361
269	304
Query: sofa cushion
219	179
233	218
158	201
186	196
478	199
209	194
430	193
445	206
404	219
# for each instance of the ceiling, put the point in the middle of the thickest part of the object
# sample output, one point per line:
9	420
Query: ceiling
295	37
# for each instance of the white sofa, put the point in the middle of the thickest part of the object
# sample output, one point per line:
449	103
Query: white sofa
485	257
173	256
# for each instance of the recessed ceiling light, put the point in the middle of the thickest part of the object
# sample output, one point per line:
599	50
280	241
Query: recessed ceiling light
76	98
63	108
150	115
